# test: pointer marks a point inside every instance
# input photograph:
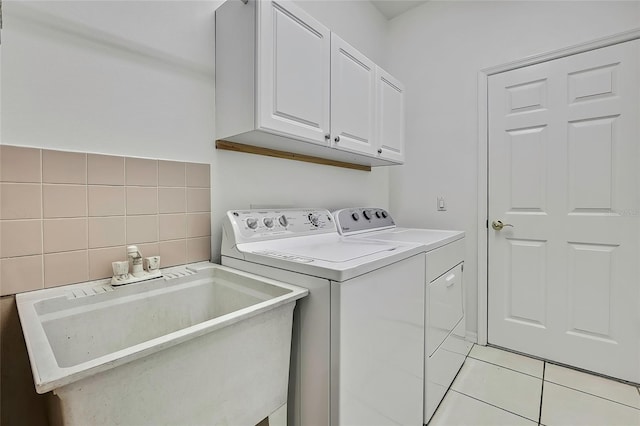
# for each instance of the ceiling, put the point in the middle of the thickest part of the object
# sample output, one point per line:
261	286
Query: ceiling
392	8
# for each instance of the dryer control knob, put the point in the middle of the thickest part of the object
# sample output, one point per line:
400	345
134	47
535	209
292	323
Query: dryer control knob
313	219
355	216
366	214
283	220
384	214
252	222
378	215
268	222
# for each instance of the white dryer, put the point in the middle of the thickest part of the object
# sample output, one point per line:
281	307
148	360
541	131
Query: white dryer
445	345
358	338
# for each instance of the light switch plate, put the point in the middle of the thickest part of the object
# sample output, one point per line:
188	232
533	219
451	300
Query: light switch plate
442	206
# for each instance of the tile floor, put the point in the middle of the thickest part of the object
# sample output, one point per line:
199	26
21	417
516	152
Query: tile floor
496	387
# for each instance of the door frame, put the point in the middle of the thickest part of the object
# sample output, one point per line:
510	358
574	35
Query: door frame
483	158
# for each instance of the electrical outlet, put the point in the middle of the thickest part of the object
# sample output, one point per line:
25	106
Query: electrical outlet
442	206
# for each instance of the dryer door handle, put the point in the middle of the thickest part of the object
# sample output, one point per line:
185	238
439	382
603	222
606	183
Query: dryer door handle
450	279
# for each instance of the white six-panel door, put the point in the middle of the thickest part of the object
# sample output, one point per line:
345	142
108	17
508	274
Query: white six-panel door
564	165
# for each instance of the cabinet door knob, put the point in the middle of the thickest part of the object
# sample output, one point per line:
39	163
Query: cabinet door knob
327	136
379	150
337	139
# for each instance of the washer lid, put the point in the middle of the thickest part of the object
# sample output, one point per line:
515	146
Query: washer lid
327	256
333	251
417	235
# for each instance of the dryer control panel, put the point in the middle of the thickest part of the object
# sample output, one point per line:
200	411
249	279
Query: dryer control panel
258	225
362	219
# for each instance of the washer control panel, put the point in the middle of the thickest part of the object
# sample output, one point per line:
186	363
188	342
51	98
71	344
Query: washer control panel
255	225
362	219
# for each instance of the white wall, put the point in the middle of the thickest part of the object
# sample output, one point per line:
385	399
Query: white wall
136	78
127	78
437	50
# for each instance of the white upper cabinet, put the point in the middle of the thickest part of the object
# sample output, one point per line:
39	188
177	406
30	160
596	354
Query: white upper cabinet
390	116
353	99
293	76
284	81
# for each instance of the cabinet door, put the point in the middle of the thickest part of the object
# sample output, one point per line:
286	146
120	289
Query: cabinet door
353	110
390	101
293	72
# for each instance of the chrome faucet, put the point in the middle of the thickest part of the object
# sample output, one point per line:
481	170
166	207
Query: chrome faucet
135	269
135	261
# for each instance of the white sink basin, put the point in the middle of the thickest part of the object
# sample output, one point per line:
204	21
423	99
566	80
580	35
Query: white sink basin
99	346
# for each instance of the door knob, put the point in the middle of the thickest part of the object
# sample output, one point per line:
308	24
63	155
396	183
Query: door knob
498	225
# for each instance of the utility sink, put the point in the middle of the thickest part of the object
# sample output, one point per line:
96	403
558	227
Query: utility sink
205	344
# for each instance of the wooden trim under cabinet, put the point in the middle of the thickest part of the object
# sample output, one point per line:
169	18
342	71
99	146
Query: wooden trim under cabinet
238	147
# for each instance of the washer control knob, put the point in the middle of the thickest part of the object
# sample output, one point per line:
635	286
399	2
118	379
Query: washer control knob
366	214
355	216
252	222
313	219
268	222
384	214
378	215
283	220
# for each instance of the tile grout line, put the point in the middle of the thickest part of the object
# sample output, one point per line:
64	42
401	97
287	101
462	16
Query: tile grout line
86	211
124	189
157	212
544	368
594	395
509	368
42	213
589	393
560	384
494	406
450	388
186	212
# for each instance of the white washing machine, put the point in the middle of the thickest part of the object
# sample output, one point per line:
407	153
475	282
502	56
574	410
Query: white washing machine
358	338
445	345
